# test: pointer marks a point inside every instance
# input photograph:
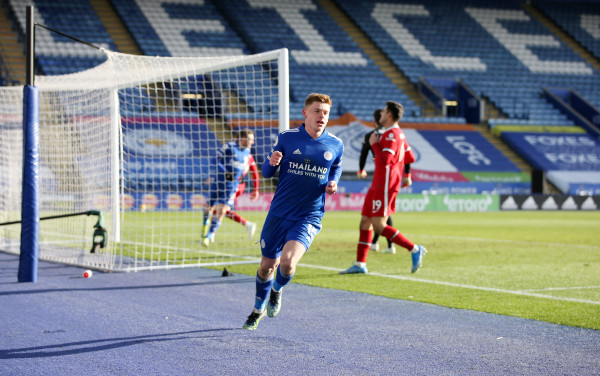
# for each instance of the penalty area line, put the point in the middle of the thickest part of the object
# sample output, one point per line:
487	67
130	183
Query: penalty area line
464	286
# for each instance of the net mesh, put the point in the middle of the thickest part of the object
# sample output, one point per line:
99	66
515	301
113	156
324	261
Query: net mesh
136	138
11	163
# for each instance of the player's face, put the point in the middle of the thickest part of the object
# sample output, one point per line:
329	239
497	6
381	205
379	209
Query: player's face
378	123
247	142
316	117
385	118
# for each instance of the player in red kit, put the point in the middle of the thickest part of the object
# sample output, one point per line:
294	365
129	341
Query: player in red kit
392	153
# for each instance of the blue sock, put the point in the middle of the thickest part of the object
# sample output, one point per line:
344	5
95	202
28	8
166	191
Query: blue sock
281	280
206	217
262	290
214	225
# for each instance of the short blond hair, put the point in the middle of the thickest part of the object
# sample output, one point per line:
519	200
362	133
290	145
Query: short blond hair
316	97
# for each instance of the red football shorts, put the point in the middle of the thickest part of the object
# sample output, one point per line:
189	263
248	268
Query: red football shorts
379	203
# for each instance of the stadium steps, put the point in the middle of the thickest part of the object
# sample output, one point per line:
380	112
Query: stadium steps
220	129
562	35
11	51
492	112
380	60
234	103
504	149
115	27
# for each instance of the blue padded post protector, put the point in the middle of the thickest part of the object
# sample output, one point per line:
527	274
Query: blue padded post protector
30	206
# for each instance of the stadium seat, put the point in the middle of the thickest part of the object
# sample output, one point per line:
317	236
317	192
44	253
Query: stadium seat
325	58
152	27
319	70
577	19
442	29
58	54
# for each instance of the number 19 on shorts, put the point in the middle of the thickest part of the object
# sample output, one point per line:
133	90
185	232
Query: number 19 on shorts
376	205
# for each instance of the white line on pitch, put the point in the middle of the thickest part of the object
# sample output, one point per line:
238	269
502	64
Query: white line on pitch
522	293
565	288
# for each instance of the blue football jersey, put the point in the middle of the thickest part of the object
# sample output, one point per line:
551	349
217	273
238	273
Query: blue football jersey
306	168
232	161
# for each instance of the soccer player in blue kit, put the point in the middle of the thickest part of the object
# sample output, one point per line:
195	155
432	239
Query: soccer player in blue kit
232	160
309	160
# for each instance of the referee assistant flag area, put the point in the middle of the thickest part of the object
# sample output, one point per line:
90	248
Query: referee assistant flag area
188	322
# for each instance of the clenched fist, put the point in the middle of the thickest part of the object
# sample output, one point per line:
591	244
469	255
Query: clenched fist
275	158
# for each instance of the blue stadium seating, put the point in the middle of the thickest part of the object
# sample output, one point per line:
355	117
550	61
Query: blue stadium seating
332	76
354	88
579	20
576	18
446	29
57	54
460	39
147	36
135	100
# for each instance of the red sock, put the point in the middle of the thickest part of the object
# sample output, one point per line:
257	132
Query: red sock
395	236
236	217
364	243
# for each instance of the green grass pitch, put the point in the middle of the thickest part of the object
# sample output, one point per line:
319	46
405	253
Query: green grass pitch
541	265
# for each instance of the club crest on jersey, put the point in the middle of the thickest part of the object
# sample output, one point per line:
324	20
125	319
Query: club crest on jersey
328	155
390	136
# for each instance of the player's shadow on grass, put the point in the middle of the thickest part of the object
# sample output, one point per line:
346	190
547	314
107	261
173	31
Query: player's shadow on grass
82	347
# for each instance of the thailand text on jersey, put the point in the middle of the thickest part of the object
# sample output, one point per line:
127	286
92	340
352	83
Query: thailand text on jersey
395	152
304	171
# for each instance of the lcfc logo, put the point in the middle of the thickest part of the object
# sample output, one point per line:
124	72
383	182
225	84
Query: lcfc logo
157	142
328	155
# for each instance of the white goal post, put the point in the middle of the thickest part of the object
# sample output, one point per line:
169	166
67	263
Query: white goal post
135	139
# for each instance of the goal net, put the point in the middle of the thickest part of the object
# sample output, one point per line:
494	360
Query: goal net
136	138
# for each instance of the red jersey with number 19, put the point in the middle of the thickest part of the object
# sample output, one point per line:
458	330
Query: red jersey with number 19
392	152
